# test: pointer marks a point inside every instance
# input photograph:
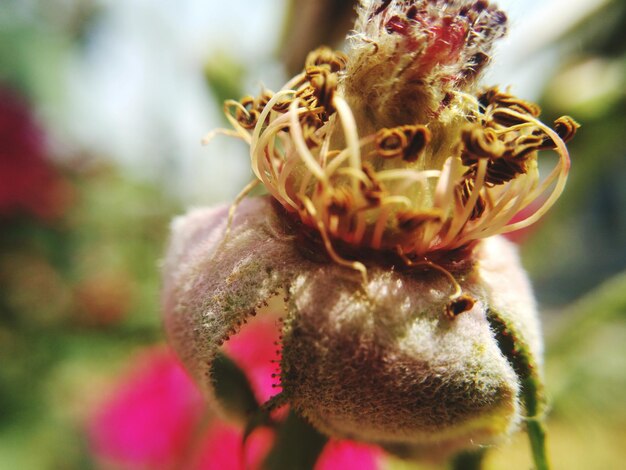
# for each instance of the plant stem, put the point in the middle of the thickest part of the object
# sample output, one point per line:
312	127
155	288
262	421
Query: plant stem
533	398
297	446
524	365
468	460
532	395
537	436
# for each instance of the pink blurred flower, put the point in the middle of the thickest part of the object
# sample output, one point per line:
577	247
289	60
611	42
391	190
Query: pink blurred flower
157	419
521	235
346	454
254	350
29	184
151	417
221	448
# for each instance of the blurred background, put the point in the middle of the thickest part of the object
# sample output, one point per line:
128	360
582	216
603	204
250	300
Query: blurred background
103	105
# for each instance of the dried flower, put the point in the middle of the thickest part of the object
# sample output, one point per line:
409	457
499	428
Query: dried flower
389	161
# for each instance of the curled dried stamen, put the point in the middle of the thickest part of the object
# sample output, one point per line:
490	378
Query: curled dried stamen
372	190
504	170
410	221
390	143
335	60
307	97
523	146
310	123
282	105
356	265
261	101
323	84
246	114
341	202
464	192
480	143
407	142
494	97
508	117
565	127
434	184
459	305
507	158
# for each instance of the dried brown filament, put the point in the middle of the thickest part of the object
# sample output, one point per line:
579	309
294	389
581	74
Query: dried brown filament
504	170
407	142
261	101
310	123
409	221
566	128
525	145
306	97
323	83
246	114
341	202
459	305
463	192
373	191
494	97
335	60
480	142
503	117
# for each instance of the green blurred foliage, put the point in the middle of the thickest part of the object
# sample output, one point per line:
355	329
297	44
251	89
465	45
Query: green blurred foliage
585	232
78	296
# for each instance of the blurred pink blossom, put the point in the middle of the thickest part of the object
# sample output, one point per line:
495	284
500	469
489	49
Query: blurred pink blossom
29	184
221	448
156	419
520	236
254	349
151	417
346	454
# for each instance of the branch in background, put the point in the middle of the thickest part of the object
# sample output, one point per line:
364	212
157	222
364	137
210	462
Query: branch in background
309	24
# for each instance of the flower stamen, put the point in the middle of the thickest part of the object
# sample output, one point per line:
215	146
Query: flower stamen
430	168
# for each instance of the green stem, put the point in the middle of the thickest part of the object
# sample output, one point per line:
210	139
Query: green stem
537	436
468	460
534	402
297	445
533	397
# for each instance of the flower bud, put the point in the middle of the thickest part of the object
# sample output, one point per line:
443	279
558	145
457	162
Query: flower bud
408	55
382	362
407	322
